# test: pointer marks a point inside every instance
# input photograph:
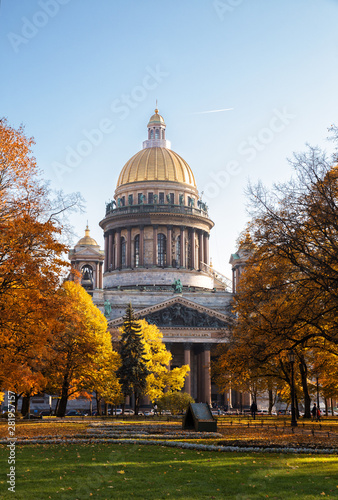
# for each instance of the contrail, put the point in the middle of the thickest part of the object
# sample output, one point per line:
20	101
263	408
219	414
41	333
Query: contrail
212	111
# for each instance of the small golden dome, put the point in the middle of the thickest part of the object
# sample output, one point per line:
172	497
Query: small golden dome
156	164
156	119
87	240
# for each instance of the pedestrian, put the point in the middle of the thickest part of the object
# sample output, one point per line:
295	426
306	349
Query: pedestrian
318	414
253	409
314	412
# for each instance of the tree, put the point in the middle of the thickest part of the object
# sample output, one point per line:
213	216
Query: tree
31	262
80	345
287	296
104	381
176	402
133	371
157	360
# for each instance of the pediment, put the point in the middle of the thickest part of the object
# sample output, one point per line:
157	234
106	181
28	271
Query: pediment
89	253
179	312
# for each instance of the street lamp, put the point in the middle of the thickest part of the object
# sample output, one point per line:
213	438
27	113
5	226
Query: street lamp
291	356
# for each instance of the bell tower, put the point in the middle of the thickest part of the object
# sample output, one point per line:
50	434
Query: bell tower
87	258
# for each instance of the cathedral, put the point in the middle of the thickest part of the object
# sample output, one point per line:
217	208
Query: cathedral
156	256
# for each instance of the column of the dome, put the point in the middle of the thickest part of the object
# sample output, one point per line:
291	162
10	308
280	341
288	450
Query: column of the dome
106	241
169	246
110	251
128	260
192	246
118	249
200	249
141	246
155	228
187	361
206	248
182	249
113	252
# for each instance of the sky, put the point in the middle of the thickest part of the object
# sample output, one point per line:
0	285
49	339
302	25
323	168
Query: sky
241	84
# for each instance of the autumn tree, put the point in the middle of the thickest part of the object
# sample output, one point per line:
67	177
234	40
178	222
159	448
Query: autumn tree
133	371
31	258
79	347
104	382
287	295
157	358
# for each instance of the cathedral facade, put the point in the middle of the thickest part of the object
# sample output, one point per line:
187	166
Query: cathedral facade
156	257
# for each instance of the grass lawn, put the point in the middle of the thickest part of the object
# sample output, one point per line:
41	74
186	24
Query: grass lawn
106	471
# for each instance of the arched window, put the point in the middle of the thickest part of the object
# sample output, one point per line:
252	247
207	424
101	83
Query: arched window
123	252
161	249
157	134
87	276
137	250
178	251
152	134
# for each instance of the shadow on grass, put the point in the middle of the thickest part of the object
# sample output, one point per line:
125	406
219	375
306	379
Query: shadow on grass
137	471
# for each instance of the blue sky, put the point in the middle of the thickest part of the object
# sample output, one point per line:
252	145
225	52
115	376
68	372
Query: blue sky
83	76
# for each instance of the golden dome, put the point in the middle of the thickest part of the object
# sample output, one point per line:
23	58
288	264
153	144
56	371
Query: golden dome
156	119
87	240
156	164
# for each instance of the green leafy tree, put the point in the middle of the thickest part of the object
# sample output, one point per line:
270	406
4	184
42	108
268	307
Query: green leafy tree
133	371
176	402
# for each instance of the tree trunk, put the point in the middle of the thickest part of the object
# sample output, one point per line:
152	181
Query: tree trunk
332	412
307	398
326	408
64	397
17	397
106	409
137	403
296	405
98	403
26	406
270	401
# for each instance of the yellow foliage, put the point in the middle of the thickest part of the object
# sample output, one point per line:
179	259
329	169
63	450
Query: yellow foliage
158	359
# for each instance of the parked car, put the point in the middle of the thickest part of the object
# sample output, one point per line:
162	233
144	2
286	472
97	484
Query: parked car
118	411
45	413
148	413
32	416
128	412
73	413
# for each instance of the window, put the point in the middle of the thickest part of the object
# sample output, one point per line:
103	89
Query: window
150	198
152	134
123	252
130	199
162	134
139	198
161	249
137	250
123	201
178	251
157	134
161	198
172	198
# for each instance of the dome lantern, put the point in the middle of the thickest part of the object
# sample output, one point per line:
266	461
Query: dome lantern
156	132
